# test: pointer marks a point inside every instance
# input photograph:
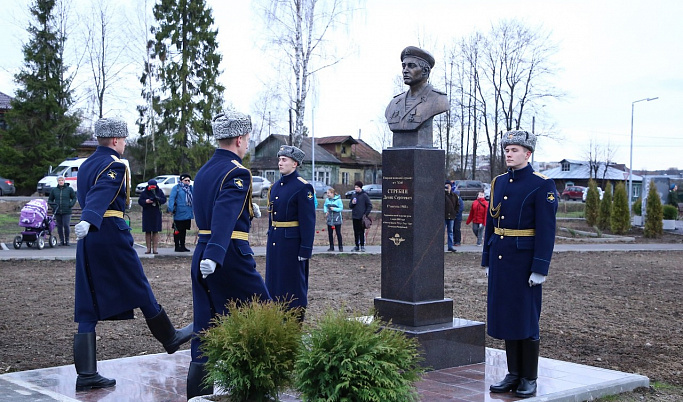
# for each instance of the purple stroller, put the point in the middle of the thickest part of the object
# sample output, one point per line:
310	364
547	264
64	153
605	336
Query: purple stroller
38	225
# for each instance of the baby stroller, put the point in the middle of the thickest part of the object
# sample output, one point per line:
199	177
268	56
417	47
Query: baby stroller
38	226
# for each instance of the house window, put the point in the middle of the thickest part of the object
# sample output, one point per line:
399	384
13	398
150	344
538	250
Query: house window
270	175
343	150
323	176
345	177
565	166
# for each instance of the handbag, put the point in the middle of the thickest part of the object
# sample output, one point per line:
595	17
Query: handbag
334	218
367	222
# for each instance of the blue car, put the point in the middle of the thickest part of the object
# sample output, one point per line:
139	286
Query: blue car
7	187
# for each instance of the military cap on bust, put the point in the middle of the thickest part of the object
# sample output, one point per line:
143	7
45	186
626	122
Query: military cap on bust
231	124
291	152
412	51
519	137
111	128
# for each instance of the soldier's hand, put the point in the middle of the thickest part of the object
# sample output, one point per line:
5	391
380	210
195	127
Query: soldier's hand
82	229
257	210
302	258
486	271
536	279
207	267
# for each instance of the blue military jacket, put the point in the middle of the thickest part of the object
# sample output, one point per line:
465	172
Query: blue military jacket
291	199
520	200
110	281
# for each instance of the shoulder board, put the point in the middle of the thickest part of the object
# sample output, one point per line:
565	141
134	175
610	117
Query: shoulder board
503	174
116	159
541	175
301	179
239	165
439	92
399	94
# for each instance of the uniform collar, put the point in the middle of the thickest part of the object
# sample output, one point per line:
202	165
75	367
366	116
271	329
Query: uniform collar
290	177
521	173
107	151
228	154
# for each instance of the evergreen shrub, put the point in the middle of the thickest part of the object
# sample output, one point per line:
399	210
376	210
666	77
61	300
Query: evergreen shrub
605	210
669	212
592	203
251	352
653	219
620	221
353	360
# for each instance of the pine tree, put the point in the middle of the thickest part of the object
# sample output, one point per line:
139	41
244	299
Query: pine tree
592	203
186	65
605	208
653	213
620	221
41	131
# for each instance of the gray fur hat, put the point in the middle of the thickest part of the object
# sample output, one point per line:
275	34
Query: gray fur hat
111	128
519	137
231	124
291	152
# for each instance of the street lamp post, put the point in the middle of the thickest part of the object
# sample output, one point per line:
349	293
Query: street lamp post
630	168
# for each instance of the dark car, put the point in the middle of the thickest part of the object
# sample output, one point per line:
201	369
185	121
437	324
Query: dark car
320	188
6	186
469	189
373	190
572	193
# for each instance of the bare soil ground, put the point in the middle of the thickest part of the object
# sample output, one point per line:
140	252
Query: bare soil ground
619	310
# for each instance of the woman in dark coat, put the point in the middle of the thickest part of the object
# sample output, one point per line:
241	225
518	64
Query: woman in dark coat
151	200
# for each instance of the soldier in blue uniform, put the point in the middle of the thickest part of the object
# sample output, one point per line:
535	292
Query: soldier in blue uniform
518	245
110	281
291	209
223	266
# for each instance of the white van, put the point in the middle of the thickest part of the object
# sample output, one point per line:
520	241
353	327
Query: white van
68	170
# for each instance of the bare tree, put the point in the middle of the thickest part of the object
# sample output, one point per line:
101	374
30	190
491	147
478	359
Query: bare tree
105	50
299	29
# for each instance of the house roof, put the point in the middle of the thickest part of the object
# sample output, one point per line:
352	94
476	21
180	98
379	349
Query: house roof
5	101
580	170
361	153
321	155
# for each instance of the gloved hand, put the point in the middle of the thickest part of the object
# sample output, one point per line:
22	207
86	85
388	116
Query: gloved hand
82	229
257	210
536	279
207	267
302	258
486	273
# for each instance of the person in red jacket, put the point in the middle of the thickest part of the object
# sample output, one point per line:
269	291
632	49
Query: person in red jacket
478	216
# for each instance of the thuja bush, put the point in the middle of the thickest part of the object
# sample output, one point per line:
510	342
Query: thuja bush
620	221
251	351
592	203
669	212
605	211
653	213
354	360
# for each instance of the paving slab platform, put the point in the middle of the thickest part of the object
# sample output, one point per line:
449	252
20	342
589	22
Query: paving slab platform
162	378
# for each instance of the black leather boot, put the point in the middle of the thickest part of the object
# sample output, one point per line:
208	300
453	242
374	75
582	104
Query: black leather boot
195	379
165	332
176	240
529	369
85	361
511	380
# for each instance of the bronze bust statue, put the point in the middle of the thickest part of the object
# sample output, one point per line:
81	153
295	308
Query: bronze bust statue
410	114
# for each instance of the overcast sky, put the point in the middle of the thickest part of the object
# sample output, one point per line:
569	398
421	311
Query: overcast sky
611	53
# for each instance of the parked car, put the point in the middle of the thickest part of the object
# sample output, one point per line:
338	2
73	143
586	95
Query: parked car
487	191
7	186
469	188
164	182
573	193
373	190
320	188
260	186
585	192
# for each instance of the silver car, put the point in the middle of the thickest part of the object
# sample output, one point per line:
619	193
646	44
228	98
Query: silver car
260	186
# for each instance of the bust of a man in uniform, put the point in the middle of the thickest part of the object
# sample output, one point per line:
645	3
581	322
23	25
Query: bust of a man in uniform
410	114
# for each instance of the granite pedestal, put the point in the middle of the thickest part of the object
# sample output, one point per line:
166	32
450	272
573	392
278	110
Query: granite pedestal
412	279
